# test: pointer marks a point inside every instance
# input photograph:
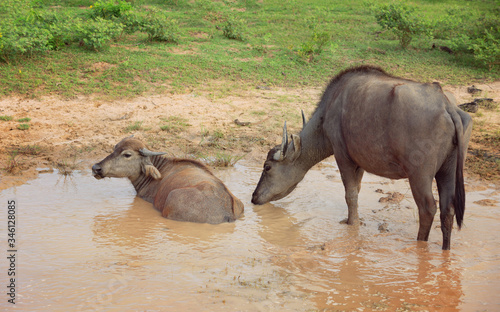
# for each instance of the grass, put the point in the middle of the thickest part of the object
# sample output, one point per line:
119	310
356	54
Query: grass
32	150
136	126
174	124
13	162
219	159
274	51
23	126
66	167
6	118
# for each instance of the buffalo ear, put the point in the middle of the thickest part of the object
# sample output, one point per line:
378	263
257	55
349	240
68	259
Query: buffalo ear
149	170
296	147
278	155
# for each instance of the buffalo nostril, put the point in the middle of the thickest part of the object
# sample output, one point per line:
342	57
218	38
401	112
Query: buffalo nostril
96	169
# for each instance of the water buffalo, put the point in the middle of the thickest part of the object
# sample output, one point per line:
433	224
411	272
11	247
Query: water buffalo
391	127
181	189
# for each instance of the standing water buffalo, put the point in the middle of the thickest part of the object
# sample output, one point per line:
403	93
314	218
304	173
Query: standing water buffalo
181	189
391	127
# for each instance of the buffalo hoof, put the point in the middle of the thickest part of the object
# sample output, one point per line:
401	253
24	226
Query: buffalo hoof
352	222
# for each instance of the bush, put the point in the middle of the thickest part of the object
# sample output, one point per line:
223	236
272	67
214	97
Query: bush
24	39
313	46
234	28
109	9
160	28
486	49
59	27
132	21
27	31
96	34
400	19
468	31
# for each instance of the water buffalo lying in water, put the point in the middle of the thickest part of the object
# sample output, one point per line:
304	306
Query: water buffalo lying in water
391	127
181	189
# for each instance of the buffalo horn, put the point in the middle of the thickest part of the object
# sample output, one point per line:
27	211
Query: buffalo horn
280	154
146	152
303	120
284	142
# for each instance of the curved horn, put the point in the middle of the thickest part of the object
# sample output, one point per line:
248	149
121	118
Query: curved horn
303	119
284	142
146	152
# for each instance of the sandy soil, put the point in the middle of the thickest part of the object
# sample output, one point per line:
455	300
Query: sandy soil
71	134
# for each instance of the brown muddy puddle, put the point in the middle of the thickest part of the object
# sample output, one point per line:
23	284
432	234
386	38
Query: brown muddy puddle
88	245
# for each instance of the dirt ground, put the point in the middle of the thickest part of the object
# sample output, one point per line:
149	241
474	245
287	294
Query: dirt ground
71	134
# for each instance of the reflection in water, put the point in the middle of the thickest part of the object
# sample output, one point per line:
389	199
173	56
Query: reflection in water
278	227
88	245
141	226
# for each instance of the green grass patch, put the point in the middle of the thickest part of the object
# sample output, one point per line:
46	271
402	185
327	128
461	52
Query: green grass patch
25	119
6	118
174	124
153	46
23	126
136	126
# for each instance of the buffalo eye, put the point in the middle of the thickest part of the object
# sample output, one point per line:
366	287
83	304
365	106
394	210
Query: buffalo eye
127	155
267	167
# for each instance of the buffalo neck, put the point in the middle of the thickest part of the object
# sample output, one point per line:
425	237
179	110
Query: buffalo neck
144	185
315	146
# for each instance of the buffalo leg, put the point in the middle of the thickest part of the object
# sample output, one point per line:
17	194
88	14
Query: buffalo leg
351	177
446	187
421	188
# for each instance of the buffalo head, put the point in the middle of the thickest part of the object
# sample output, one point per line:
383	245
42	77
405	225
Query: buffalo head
282	171
129	159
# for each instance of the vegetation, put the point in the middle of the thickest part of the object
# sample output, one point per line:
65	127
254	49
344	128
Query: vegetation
174	124
222	159
401	19
13	163
218	159
23	126
32	150
137	125
6	118
50	46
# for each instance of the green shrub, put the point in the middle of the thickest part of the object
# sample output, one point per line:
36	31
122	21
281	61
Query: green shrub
30	31
132	21
486	49
401	19
314	45
96	34
24	39
109	9
160	28
60	29
234	28
468	31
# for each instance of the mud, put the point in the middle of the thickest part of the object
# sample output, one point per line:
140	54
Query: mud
70	133
88	245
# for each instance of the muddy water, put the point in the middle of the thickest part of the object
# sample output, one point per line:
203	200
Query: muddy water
88	245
